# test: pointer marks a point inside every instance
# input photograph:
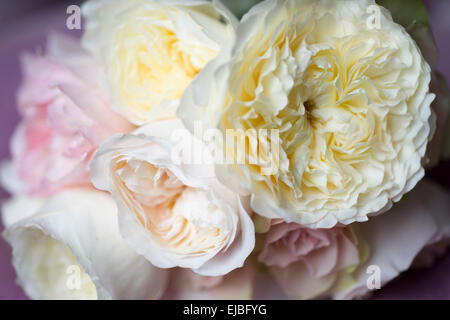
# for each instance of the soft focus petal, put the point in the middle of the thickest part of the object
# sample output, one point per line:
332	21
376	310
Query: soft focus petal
308	262
20	207
396	238
236	285
79	227
65	116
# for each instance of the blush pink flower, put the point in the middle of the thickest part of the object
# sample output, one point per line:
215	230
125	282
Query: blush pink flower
307	262
412	235
65	116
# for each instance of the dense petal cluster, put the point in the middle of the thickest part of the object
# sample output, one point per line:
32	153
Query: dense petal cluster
350	103
176	215
65	117
152	50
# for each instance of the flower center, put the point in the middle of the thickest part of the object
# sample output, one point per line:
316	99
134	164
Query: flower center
309	107
180	218
151	64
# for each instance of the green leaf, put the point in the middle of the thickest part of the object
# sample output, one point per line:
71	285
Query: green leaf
240	7
403	12
406	12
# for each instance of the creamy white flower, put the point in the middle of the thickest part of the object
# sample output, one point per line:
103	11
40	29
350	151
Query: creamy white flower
174	213
152	49
69	247
351	103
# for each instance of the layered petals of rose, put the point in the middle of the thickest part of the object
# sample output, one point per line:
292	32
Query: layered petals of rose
174	213
69	247
348	101
307	262
153	49
65	116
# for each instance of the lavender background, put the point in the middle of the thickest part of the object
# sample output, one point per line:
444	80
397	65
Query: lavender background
24	25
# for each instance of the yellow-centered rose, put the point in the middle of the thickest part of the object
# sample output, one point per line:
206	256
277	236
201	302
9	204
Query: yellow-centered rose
347	90
153	49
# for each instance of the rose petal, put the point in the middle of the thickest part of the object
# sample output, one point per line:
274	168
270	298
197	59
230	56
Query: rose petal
85	221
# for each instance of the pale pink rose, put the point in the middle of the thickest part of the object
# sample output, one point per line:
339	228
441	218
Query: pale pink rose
65	116
401	238
413	234
306	262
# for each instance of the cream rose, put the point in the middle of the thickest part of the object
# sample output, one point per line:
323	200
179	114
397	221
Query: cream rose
174	213
153	49
350	101
69	247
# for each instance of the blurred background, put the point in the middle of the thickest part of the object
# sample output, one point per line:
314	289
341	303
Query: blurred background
24	25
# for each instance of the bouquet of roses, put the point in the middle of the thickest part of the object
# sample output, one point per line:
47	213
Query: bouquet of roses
177	152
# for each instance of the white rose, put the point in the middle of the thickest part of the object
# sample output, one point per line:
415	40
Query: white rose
350	100
152	49
69	247
174	213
